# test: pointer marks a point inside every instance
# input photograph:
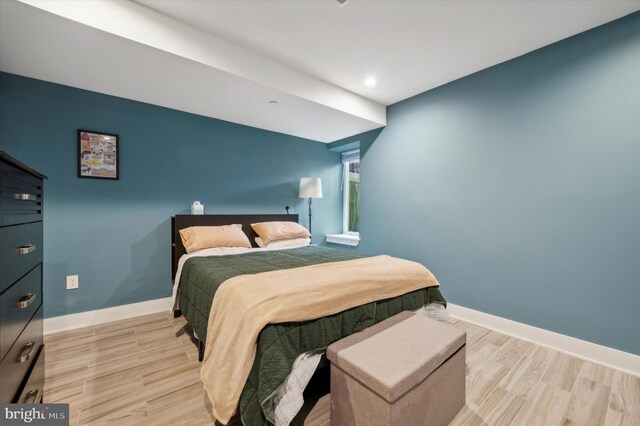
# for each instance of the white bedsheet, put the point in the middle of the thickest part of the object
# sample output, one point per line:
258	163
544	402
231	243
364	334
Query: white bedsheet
287	400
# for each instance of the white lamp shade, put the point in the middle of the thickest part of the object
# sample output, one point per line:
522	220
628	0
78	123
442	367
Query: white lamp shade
310	187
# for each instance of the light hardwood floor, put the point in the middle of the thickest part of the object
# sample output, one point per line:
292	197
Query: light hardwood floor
138	372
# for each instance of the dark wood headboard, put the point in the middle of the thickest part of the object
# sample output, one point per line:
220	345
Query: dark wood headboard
182	221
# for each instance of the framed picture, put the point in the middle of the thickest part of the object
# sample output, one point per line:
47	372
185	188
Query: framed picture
98	155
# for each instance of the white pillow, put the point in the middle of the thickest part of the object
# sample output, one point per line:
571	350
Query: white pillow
293	242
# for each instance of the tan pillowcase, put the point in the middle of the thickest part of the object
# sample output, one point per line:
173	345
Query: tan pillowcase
274	231
202	237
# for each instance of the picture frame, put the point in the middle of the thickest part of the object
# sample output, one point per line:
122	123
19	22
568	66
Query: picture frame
98	155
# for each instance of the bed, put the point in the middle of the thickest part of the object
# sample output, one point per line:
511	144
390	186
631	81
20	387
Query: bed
279	345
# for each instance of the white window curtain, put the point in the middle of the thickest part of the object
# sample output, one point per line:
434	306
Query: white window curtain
348	157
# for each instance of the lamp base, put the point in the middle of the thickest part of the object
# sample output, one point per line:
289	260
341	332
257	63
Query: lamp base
310	234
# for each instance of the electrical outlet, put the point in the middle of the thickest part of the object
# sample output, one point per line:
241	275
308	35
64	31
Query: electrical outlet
72	282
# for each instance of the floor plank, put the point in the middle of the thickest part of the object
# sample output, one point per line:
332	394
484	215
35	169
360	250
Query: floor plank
624	394
589	402
500	408
545	406
563	371
616	418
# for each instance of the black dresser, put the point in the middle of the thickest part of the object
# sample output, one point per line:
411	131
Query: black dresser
21	342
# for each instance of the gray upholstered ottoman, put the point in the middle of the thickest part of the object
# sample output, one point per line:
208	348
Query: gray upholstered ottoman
406	370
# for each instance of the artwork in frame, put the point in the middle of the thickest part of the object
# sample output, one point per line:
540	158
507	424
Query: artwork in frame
98	155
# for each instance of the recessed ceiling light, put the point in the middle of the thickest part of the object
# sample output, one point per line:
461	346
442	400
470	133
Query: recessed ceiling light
370	81
273	102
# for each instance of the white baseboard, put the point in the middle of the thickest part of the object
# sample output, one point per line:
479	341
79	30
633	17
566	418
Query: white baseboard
101	316
598	354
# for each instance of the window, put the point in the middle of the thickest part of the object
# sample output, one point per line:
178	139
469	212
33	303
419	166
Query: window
351	192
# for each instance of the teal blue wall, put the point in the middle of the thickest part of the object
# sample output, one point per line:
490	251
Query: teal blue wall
519	187
116	234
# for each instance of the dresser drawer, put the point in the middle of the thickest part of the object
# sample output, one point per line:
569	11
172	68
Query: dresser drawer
20	197
18	303
17	362
17	173
33	390
20	251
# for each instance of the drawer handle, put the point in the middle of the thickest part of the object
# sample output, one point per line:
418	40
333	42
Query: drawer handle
26	352
27	248
26	300
35	395
25	197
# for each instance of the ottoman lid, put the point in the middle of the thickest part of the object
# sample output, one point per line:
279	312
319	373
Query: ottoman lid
395	358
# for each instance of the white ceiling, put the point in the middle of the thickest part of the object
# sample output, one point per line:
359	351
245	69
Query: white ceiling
228	58
409	46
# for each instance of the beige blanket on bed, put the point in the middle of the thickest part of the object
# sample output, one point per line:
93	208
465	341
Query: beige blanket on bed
245	304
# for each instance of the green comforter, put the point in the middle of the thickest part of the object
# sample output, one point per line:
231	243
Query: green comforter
280	344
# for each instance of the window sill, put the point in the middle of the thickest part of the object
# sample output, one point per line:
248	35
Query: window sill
344	239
